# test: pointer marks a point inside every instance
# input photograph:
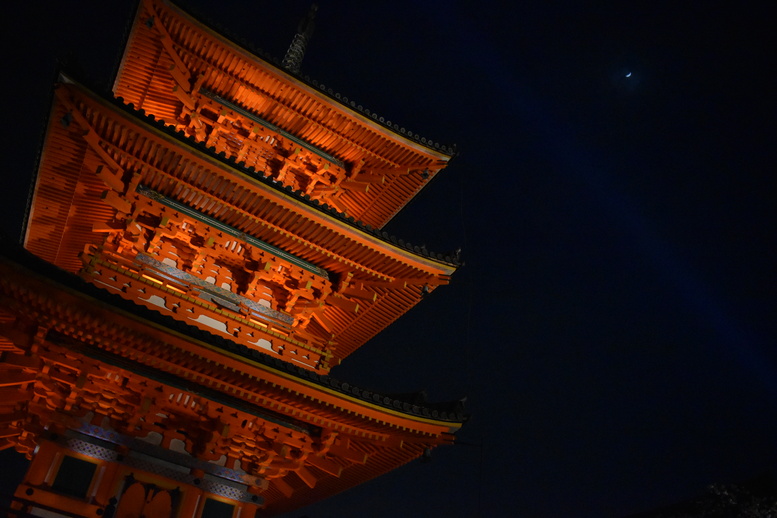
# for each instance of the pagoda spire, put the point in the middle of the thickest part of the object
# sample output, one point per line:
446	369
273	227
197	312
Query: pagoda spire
292	61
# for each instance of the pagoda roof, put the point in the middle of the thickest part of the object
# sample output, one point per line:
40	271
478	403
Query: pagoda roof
328	91
73	322
450	260
172	59
86	129
410	404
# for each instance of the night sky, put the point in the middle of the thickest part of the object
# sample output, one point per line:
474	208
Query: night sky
614	326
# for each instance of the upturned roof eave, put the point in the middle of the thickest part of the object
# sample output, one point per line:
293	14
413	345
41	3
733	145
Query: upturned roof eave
30	267
447	263
313	86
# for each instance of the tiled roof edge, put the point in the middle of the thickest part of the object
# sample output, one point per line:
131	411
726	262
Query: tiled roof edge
445	411
117	63
451	259
449	150
38	155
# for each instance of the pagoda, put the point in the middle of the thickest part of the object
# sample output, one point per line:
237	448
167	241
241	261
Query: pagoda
202	245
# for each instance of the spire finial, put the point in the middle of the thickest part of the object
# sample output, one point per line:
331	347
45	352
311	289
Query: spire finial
293	59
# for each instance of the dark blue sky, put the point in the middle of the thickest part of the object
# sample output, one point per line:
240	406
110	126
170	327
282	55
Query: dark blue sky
613	328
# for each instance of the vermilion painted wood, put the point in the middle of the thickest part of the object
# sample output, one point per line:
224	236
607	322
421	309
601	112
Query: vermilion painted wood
203	238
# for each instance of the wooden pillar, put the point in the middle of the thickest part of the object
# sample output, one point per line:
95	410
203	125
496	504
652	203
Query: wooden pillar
41	468
109	483
192	501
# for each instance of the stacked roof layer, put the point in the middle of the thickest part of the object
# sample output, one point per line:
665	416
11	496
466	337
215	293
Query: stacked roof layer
112	178
206	246
185	74
117	345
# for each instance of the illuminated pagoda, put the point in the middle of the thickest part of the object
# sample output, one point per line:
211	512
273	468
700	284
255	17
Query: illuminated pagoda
201	247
